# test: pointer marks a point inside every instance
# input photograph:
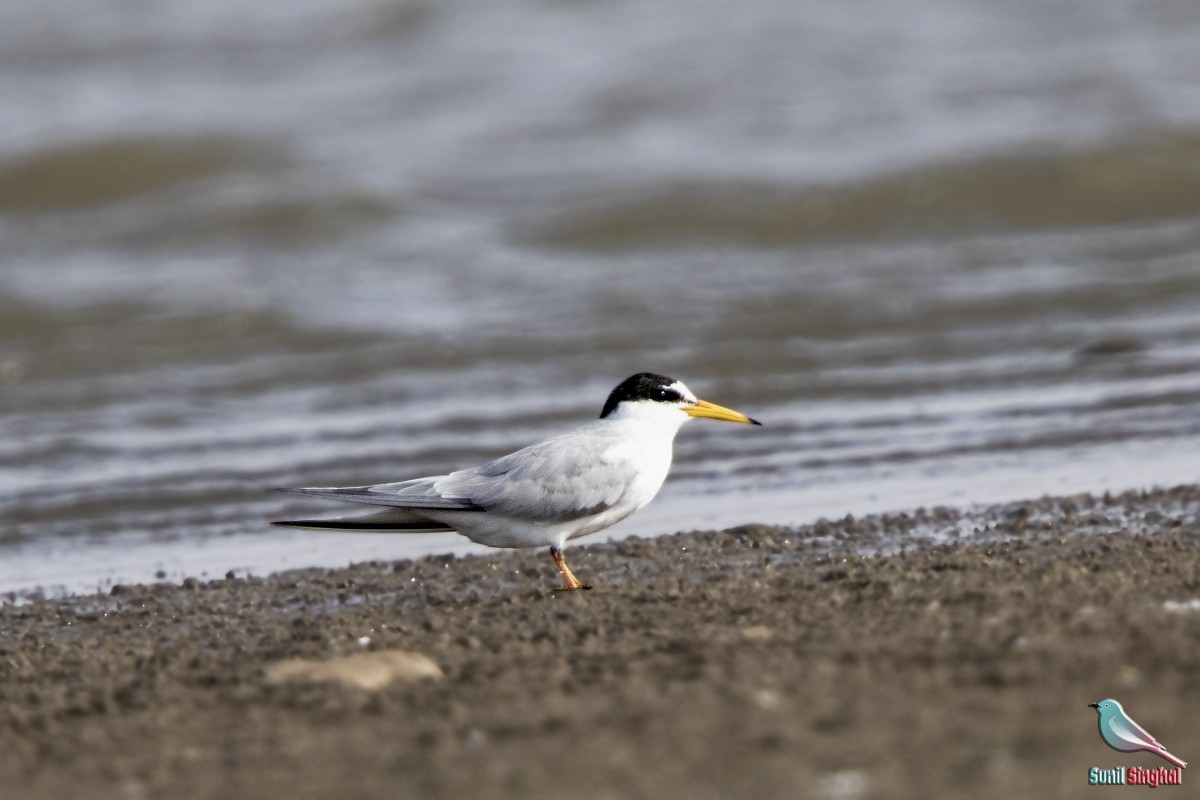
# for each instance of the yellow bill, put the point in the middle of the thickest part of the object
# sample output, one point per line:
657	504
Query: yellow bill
703	408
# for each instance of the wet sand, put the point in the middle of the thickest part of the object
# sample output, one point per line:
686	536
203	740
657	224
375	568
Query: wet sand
821	661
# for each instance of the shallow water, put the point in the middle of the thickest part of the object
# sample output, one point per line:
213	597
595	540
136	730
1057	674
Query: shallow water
949	254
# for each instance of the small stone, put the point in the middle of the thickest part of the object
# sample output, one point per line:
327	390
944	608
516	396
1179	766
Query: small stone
369	671
756	633
848	784
766	699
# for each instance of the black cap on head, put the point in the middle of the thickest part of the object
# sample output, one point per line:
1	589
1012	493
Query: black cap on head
643	386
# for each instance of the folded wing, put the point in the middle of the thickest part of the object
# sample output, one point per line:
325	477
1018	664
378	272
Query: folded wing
558	480
419	493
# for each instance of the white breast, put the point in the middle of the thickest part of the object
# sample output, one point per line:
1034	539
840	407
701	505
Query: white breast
646	452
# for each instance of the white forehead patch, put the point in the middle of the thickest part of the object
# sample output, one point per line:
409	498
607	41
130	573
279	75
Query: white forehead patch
683	390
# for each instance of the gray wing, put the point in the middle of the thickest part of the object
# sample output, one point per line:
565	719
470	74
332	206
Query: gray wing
420	493
557	480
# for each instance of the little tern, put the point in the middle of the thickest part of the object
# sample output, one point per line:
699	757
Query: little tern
547	493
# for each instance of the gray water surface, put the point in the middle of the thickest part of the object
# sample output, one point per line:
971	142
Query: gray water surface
949	253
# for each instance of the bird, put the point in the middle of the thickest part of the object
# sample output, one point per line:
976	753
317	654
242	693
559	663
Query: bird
548	493
1120	732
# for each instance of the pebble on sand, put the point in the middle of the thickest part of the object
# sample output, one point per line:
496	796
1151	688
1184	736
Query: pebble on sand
360	671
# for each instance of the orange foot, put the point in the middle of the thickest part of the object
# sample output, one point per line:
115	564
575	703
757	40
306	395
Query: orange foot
570	582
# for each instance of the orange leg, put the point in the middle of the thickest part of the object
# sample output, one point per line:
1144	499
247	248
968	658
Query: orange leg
570	582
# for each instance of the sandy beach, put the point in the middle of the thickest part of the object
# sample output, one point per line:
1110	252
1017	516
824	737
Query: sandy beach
753	662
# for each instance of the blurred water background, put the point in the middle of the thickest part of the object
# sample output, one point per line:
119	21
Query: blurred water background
948	250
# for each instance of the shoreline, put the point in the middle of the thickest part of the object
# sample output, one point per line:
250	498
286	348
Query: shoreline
69	568
770	661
